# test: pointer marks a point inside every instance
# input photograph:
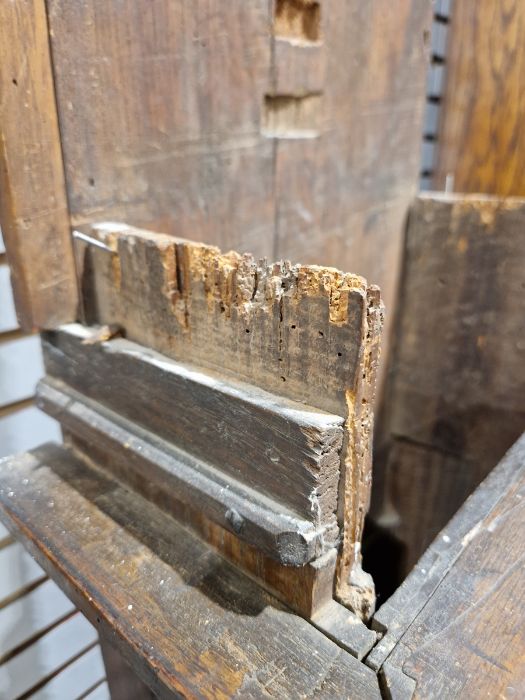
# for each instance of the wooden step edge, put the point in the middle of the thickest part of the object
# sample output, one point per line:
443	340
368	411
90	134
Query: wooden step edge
184	619
163	474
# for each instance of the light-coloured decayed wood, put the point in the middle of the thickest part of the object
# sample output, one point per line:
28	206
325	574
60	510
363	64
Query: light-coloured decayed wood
304	332
33	207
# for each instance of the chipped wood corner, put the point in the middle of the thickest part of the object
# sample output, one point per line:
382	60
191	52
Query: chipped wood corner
307	333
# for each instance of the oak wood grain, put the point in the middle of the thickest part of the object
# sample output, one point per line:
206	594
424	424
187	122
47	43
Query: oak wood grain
146	582
481	142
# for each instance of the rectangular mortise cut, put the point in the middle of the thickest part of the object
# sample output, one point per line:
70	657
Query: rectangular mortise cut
297	20
292	116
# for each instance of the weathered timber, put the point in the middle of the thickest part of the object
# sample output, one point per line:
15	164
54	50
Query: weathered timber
304	589
164	473
33	206
145	581
455	398
181	147
306	333
456	625
481	141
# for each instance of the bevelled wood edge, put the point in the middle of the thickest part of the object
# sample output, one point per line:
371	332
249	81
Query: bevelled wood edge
396	615
33	205
305	332
281	449
163	473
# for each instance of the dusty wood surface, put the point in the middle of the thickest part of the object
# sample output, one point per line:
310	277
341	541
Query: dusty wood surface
481	142
455	628
170	477
33	206
146	582
183	146
455	400
307	333
305	589
284	450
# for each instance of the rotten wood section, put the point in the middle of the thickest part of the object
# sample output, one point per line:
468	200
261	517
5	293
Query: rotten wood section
305	333
33	207
145	581
455	627
181	146
455	399
481	141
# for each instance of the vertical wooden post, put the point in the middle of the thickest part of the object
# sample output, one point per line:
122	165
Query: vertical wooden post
33	207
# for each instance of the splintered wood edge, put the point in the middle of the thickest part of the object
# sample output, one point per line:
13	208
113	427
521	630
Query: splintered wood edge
305	332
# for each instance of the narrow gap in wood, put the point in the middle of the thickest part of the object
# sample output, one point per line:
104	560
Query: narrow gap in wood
55	673
298	21
21	592
38	635
292	116
15	406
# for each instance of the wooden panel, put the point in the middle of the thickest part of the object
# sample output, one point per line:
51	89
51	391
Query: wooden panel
160	111
146	581
33	207
284	450
180	145
303	332
455	401
456	625
482	134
